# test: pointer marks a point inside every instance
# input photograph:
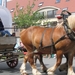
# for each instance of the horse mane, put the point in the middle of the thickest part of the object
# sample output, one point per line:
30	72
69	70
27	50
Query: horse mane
71	21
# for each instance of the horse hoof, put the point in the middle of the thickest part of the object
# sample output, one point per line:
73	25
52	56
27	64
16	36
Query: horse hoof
36	72
45	71
23	72
50	73
60	70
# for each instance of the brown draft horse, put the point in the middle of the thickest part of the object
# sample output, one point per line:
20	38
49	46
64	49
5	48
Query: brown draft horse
36	56
59	40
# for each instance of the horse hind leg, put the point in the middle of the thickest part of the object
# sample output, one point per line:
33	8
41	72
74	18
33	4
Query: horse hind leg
23	66
31	61
40	58
63	67
43	67
51	70
70	61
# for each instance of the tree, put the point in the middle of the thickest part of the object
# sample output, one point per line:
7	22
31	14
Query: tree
25	17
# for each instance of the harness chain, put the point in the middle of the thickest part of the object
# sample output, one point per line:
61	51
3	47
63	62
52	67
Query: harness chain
69	31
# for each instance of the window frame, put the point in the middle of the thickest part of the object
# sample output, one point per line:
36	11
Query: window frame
66	8
42	14
57	1
67	0
40	4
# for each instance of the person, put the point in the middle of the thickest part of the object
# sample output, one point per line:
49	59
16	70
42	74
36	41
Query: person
3	32
65	14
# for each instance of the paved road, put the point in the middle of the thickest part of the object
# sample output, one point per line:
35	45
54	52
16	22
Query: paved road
5	70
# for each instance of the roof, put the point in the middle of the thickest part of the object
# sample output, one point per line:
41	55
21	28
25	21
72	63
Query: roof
49	7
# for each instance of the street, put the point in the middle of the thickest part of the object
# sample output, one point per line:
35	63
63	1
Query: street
5	70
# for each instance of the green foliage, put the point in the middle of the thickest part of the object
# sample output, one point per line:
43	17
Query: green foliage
26	17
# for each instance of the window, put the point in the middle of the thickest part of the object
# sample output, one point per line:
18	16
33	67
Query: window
65	8
12	9
57	1
15	28
50	14
40	4
42	15
73	13
67	0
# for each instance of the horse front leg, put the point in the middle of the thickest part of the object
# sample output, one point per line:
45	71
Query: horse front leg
34	69
70	61
51	70
23	66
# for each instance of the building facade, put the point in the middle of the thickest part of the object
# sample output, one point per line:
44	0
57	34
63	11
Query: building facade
49	9
37	4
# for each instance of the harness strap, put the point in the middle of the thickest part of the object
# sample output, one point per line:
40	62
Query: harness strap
52	44
42	38
62	38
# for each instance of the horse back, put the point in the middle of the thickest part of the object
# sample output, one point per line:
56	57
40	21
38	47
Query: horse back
34	35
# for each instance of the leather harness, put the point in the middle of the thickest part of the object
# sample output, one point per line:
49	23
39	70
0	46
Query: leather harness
69	32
